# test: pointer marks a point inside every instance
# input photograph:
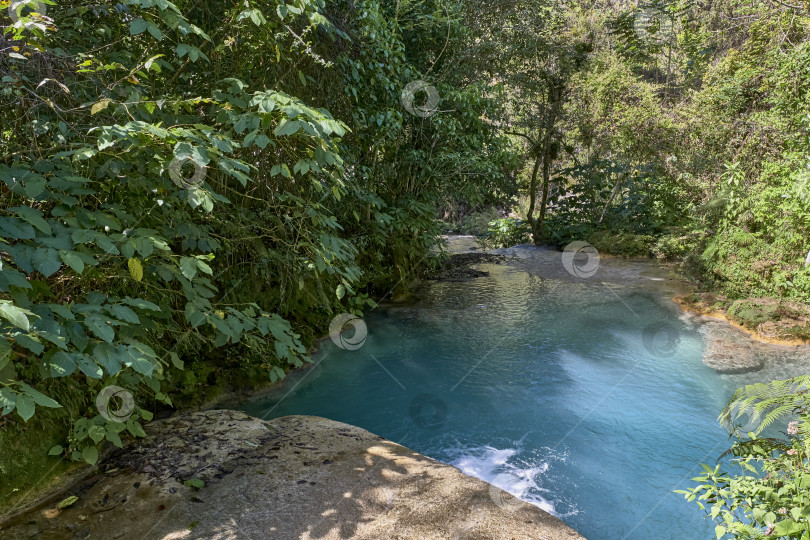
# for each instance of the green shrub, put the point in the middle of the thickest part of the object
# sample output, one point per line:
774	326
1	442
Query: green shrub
675	244
506	232
768	495
625	244
177	205
478	223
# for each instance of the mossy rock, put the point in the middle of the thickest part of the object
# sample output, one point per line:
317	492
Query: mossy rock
772	318
753	312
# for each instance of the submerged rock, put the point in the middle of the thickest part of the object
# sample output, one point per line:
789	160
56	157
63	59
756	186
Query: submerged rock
292	477
458	267
725	356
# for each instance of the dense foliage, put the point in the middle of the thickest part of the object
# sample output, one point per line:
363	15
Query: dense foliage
770	496
689	124
682	123
190	191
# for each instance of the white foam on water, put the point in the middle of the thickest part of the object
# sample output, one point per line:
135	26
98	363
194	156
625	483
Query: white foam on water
496	466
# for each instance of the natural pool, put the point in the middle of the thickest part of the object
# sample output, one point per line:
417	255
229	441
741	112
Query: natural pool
586	397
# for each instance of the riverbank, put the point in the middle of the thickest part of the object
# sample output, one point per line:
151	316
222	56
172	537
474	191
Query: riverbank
768	320
225	474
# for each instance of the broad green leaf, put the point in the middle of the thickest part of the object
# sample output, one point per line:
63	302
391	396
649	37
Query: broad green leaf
124	313
141	303
88	366
176	361
25	407
257	17
138	361
39	398
154	31
99	327
47	261
97	433
30	342
90	454
188	266
194	483
137	26
5	353
15	315
135	429
73	260
62	311
788	527
32	216
109	357
112	435
135	269
204	267
34	186
287	127
62	364
144	246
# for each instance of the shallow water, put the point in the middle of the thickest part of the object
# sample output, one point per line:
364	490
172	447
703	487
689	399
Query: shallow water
586	398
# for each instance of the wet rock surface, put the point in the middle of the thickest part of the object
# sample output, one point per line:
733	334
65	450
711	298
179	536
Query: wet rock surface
725	356
731	351
458	267
293	477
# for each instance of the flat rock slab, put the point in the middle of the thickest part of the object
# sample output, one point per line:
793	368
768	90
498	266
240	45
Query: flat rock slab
726	356
293	477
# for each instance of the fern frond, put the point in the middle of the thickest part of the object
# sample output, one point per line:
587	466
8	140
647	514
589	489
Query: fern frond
765	403
744	448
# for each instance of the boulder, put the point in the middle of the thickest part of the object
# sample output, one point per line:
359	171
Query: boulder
289	478
725	356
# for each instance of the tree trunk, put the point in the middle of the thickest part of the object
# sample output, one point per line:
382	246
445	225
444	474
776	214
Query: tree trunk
536	235
547	158
548	155
613	195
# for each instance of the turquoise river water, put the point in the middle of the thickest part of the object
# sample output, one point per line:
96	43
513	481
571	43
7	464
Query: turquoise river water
585	397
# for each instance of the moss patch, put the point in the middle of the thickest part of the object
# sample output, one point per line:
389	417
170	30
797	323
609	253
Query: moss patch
26	470
753	312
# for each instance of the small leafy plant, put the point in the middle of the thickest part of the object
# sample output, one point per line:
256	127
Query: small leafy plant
769	494
506	232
